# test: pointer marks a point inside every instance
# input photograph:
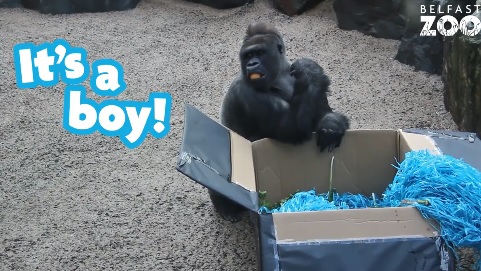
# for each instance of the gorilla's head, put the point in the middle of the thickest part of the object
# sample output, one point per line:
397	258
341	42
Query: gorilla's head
261	54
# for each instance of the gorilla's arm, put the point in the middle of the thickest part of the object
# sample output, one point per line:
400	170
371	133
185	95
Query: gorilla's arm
310	110
250	113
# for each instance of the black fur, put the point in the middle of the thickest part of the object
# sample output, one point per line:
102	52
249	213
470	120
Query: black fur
289	103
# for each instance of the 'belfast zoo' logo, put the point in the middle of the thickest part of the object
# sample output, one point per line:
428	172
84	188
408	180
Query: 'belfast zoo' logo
448	25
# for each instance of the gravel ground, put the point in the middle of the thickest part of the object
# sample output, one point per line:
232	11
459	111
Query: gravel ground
70	202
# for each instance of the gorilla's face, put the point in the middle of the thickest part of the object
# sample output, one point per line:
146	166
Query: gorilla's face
260	59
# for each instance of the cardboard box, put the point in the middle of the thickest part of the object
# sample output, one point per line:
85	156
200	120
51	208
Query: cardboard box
388	239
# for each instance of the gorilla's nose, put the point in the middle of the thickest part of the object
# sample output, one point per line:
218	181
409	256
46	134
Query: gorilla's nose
252	64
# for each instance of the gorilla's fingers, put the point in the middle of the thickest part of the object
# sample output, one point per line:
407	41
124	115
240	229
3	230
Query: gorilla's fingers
322	140
339	139
332	138
331	147
292	70
328	139
333	144
295	70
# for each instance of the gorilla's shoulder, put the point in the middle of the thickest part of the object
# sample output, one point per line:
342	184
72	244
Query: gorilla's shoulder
236	84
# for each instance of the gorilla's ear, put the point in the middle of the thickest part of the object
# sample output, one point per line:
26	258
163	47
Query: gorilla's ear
279	47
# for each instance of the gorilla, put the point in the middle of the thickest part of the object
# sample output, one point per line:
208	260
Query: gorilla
272	98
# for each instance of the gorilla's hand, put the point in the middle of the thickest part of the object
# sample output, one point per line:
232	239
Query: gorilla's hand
331	130
307	72
302	80
296	69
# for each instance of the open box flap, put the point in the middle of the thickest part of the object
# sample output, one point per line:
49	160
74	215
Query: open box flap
461	145
283	169
391	254
395	238
352	224
208	152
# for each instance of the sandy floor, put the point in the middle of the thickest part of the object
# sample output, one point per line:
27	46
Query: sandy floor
71	202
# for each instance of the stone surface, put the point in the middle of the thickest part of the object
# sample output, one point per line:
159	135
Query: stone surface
79	6
378	18
422	52
295	7
222	4
462	81
425	53
10	4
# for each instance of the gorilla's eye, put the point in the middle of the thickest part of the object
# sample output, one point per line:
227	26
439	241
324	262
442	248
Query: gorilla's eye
252	54
279	47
